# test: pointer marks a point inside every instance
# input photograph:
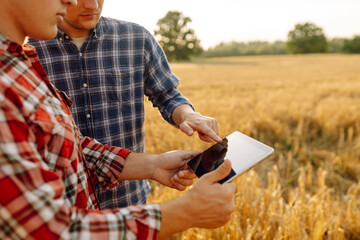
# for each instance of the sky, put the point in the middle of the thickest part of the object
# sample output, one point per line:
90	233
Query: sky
216	21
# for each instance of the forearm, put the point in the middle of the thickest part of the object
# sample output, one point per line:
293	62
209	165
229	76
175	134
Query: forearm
110	165
160	82
138	166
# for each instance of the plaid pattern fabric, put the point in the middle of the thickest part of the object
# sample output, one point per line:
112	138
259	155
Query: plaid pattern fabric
107	79
46	187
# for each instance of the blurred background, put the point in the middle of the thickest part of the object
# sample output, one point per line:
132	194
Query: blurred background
286	73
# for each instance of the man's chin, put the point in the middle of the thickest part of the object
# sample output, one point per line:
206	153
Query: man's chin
87	25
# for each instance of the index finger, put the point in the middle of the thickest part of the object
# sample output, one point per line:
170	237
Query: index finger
208	132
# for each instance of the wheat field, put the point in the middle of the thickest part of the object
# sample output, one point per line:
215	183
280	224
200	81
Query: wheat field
305	106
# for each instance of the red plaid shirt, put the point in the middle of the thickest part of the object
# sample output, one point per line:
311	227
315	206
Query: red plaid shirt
46	187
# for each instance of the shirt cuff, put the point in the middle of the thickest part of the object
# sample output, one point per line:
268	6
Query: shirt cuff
122	153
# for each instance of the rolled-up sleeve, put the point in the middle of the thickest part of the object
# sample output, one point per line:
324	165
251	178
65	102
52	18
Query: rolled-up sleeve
160	82
105	163
37	202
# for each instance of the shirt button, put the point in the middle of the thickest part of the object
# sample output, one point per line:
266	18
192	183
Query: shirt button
12	48
67	37
60	39
85	85
80	54
88	115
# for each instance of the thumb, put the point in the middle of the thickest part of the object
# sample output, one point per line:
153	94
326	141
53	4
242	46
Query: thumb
189	154
185	128
221	172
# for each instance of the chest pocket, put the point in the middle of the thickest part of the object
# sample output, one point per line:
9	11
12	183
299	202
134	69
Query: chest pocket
54	134
120	85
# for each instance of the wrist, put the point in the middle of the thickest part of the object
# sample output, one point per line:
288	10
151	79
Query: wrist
176	216
185	113
152	165
187	214
180	113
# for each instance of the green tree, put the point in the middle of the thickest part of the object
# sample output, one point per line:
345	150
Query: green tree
307	38
176	38
352	45
336	45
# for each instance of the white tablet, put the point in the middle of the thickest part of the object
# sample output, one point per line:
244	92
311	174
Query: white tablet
243	151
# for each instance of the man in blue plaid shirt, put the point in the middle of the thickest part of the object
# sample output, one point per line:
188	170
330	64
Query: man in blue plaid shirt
106	66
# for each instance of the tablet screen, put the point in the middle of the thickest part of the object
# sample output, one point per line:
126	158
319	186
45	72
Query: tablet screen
243	152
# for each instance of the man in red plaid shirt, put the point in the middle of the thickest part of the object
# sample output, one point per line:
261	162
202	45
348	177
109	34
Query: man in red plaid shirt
46	184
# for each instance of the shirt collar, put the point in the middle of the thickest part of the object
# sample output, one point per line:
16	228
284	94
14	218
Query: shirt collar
14	48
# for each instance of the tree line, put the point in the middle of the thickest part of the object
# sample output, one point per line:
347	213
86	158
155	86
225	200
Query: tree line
180	42
252	48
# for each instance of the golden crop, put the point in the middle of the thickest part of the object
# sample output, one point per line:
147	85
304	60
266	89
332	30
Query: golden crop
308	108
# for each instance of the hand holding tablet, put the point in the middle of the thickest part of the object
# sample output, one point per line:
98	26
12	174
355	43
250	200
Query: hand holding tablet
243	151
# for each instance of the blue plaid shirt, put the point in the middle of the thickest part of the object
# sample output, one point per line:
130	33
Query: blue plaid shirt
107	79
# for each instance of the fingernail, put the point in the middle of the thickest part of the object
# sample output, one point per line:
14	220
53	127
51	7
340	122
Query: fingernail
190	132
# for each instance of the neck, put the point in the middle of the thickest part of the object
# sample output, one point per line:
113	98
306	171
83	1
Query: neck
10	27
